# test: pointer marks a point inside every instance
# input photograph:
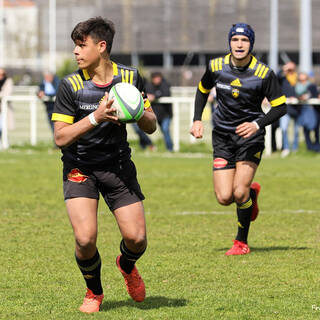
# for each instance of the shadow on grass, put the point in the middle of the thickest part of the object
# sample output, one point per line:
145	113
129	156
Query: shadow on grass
278	248
149	303
273	248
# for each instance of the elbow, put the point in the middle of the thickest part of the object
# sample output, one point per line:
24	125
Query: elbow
60	141
152	128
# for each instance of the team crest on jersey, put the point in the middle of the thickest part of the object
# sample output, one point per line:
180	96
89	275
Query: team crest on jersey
235	92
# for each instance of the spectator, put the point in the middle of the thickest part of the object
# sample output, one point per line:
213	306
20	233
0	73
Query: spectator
308	118
6	88
47	92
157	88
288	79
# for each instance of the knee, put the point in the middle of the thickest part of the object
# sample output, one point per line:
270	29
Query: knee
86	243
240	194
136	243
224	199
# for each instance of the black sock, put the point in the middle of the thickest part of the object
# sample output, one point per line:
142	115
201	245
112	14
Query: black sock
244	211
90	270
253	194
128	258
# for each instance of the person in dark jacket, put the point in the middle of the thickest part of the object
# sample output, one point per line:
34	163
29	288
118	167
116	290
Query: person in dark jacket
47	92
308	117
157	88
288	77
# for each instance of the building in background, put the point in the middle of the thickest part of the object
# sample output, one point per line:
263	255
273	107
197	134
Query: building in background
20	34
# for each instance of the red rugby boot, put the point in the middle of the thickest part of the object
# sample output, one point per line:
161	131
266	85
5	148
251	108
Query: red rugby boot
238	248
91	302
255	209
134	283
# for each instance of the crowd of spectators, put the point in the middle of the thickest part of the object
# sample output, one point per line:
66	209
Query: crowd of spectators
299	88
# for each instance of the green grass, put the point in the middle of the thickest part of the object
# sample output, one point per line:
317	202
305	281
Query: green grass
186	273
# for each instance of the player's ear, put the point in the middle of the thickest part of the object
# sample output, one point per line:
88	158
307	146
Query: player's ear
102	46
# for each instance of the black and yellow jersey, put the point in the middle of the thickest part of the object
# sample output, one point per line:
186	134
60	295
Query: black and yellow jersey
77	97
240	92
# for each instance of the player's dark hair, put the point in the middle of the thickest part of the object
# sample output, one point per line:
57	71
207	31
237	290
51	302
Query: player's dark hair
97	28
156	74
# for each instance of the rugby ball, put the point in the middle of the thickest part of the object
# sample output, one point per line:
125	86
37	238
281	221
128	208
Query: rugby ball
128	102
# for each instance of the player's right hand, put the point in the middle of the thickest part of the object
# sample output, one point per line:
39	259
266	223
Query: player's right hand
106	112
197	129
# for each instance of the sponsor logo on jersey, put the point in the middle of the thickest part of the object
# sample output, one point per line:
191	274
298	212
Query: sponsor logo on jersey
75	175
235	92
88	106
223	86
236	83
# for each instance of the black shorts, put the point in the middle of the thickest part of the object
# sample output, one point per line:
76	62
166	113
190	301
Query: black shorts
118	184
229	148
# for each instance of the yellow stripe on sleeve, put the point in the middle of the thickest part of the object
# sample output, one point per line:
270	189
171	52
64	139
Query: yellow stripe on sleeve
73	84
80	80
131	77
253	62
264	73
122	75
220	63
261	71
278	101
212	65
216	64
76	82
62	117
127	76
203	89
227	58
258	69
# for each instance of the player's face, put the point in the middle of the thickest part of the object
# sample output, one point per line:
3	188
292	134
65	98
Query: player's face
240	46
87	52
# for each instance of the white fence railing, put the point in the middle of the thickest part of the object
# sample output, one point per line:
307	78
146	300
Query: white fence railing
32	100
183	107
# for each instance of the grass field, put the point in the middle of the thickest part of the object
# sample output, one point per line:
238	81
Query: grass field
186	273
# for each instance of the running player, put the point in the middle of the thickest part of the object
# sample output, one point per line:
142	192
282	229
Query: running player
242	82
97	159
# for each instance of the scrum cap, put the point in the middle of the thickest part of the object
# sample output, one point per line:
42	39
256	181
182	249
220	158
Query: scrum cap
242	29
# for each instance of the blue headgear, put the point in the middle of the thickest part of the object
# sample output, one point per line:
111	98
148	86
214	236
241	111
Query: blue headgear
242	29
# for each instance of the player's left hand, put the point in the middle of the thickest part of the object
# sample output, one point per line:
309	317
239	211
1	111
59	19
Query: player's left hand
246	129
106	112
